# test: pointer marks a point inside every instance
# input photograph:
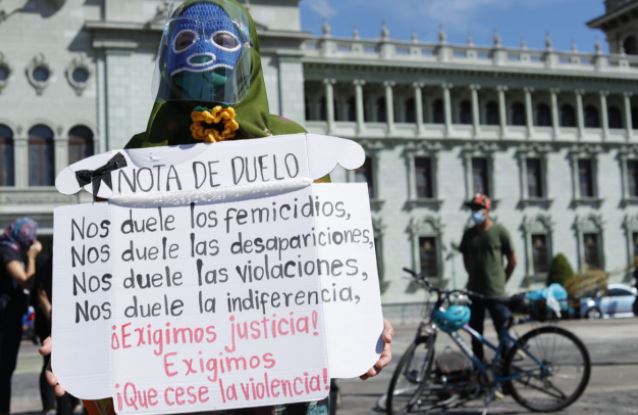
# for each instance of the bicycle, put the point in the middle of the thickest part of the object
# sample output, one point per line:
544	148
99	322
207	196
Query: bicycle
545	370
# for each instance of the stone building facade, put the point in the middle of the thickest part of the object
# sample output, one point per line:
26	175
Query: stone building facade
551	135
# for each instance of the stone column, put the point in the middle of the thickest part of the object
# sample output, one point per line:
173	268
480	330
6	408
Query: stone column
447	108
629	127
476	114
502	109
554	102
529	111
389	106
330	107
21	161
580	115
604	116
418	106
358	93
622	155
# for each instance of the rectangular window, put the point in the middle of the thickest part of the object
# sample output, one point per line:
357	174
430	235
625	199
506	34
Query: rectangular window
634	238
364	174
480	178
586	178
535	186
423	173
437	112
591	250
540	253
428	255
632	178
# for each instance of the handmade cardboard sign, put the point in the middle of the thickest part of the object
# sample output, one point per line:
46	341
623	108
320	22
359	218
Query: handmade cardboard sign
216	276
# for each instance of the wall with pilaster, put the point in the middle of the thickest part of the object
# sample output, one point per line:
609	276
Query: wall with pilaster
291	91
270	67
450	143
42	34
129	98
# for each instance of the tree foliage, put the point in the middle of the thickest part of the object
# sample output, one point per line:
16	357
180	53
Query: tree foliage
560	271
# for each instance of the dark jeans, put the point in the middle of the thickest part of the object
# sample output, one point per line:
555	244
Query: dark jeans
64	404
47	396
500	314
10	337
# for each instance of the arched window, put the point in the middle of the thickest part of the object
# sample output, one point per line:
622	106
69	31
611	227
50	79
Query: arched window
518	114
351	105
41	156
381	110
437	112
630	45
567	116
465	112
6	156
614	116
80	143
410	110
592	120
491	113
543	115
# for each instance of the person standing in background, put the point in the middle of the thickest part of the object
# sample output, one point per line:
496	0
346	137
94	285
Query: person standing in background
18	239
43	299
483	247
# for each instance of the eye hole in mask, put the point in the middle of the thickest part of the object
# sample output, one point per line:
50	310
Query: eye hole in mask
184	40
225	40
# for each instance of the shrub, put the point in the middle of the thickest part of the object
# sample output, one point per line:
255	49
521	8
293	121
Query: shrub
559	271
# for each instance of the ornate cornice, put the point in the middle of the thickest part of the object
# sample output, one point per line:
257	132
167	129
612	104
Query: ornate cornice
532	223
585	150
480	148
421	146
593	221
427	224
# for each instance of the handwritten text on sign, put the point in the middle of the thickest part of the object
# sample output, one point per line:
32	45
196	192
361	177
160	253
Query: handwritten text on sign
213	306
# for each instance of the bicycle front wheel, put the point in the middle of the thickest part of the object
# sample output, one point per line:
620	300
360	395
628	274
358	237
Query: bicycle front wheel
549	369
411	378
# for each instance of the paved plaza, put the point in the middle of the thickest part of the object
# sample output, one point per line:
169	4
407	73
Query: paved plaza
613	388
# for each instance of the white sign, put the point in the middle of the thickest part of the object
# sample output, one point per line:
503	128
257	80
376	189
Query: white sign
229	282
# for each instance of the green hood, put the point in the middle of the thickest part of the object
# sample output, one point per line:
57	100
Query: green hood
169	123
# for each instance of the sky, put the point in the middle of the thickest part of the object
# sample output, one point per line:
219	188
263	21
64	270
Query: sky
564	20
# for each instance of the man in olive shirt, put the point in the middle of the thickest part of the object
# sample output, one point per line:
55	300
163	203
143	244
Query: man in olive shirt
483	247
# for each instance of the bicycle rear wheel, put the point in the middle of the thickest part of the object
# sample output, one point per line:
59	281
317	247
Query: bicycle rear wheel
411	378
549	369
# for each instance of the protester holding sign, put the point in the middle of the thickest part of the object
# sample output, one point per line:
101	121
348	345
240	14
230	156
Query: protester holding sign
211	89
18	239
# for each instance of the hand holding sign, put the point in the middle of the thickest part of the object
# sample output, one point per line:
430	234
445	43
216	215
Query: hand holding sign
217	277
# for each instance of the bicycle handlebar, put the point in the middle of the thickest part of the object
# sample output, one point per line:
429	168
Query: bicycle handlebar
442	294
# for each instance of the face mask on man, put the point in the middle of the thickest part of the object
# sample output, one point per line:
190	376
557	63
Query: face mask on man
478	217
